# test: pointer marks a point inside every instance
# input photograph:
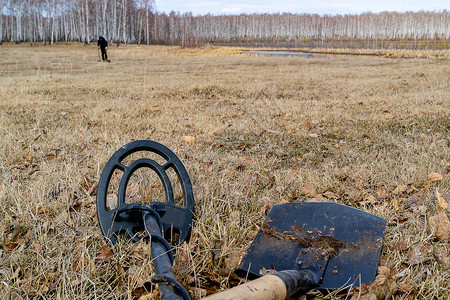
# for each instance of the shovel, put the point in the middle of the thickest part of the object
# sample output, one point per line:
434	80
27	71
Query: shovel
303	246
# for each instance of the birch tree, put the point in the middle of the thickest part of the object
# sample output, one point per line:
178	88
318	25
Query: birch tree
124	20
87	22
104	27
2	4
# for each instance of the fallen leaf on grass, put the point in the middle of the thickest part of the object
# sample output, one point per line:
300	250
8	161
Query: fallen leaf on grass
440	226
406	288
441	254
146	291
184	254
418	259
318	198
368	199
45	288
26	286
315	122
234	219
215	131
354	194
141	251
265	271
384	270
149	296
308	190
63	218
446	197
37	247
395	203
105	255
400	189
282	200
330	195
400	246
441	202
83	202
259	132
216	252
413	202
19	240
10	246
189	138
92	213
233	260
419	254
111	201
78	258
434	176
40	210
89	186
383	287
361	183
136	273
245	163
198	292
229	274
308	125
403	273
381	194
76	282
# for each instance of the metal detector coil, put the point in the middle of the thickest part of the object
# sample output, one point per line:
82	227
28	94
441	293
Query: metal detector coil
127	218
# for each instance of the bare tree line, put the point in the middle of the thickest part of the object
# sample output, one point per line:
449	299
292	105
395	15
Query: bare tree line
302	29
45	21
136	21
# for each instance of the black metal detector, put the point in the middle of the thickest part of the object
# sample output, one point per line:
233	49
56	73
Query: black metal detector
158	221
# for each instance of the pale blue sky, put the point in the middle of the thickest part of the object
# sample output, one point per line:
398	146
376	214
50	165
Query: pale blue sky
199	7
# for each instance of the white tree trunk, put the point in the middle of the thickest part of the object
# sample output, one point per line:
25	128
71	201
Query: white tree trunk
54	23
105	29
147	29
124	21
2	4
87	22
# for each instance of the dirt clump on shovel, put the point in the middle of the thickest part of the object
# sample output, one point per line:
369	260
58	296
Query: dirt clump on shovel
314	240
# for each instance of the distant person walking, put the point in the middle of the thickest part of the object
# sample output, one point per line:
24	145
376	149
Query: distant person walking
103	45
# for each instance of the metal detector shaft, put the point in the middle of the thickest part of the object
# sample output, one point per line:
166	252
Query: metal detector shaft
162	260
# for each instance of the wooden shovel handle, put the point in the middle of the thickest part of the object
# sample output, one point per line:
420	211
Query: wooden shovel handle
263	288
273	287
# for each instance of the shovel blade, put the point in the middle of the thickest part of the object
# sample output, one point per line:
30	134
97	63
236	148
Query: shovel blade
344	243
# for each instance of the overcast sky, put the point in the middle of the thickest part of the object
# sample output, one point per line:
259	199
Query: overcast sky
200	7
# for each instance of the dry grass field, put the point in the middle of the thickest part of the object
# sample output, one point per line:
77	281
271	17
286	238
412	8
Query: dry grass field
370	132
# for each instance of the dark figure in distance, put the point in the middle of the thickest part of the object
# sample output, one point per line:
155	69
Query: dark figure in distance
103	45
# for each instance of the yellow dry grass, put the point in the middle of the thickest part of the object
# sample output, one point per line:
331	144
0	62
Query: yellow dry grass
370	132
